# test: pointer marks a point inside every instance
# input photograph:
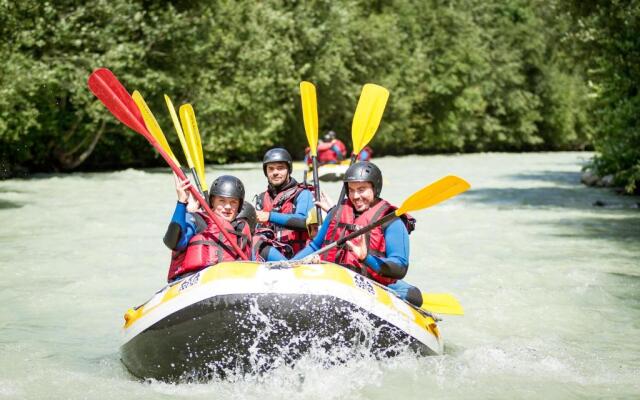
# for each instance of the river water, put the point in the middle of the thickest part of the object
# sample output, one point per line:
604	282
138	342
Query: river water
550	284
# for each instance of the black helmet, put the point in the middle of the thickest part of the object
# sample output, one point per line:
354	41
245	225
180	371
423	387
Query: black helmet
248	213
227	186
365	171
329	136
277	154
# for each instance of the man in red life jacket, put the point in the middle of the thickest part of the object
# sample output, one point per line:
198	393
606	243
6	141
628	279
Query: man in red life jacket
383	253
331	150
281	210
196	240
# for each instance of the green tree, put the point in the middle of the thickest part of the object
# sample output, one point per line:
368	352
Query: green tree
609	32
463	75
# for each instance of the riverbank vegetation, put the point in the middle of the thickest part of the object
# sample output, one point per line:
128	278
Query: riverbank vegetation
464	76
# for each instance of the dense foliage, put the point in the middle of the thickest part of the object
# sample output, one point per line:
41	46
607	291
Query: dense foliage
609	32
471	75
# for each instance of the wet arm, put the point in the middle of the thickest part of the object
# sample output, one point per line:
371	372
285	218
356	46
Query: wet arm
317	241
396	261
298	219
181	228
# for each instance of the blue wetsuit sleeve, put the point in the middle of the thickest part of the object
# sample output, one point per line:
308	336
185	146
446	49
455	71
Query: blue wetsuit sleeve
275	255
298	219
179	215
187	225
317	241
396	261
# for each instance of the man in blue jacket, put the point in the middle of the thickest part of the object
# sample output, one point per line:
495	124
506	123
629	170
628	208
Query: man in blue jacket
381	254
281	210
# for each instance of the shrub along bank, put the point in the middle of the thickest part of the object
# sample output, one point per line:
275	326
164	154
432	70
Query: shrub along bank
463	75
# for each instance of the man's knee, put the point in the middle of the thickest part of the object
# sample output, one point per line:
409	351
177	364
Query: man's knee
414	296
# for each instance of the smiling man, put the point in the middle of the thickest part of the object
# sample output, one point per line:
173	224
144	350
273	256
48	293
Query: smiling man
281	210
381	254
195	239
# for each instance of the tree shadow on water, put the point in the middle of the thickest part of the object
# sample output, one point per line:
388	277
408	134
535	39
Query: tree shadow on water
559	177
6	204
569	192
532	197
625	227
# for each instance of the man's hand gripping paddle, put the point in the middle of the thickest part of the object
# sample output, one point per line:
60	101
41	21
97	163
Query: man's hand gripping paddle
106	87
310	116
428	196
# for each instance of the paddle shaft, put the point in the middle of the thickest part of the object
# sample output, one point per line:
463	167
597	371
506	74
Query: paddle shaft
387	218
343	191
196	194
316	188
115	97
196	180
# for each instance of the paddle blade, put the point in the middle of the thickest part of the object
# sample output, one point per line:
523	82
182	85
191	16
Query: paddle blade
106	87
310	114
178	128
366	119
152	124
190	128
441	303
435	193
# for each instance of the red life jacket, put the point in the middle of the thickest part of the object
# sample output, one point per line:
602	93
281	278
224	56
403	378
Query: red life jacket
341	147
282	237
209	247
344	222
326	154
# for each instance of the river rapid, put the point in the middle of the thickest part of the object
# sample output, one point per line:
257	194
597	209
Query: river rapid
550	284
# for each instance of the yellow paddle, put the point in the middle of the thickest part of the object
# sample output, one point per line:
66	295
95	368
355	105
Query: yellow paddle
428	196
152	124
441	303
366	119
310	116
183	142
190	128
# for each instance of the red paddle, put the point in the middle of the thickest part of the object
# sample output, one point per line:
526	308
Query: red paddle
115	97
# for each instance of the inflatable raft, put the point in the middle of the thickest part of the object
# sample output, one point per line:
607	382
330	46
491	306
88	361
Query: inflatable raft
332	172
248	317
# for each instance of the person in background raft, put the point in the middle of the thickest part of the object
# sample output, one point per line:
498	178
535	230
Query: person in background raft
196	240
383	253
365	154
330	150
281	210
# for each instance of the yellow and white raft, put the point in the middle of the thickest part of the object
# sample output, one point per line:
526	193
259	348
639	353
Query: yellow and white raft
248	317
332	172
326	172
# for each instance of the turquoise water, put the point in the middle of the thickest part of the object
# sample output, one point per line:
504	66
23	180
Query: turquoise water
550	285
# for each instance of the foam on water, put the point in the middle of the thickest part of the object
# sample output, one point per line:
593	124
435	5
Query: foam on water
550	285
